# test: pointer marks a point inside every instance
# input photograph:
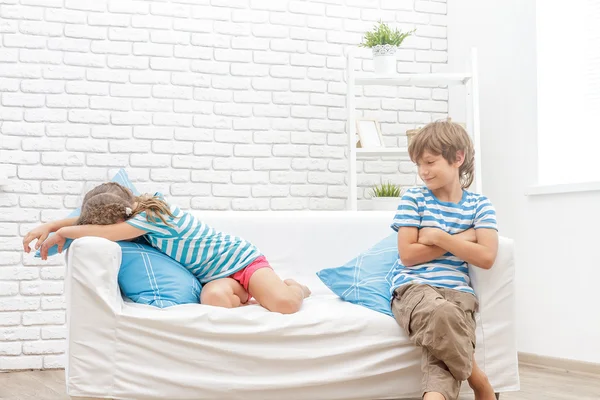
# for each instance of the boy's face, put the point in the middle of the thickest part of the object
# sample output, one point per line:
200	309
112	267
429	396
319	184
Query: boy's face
436	171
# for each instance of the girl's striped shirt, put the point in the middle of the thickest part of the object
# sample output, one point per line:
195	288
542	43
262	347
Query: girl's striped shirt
206	252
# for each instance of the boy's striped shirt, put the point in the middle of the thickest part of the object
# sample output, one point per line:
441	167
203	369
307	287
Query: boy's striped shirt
207	253
421	209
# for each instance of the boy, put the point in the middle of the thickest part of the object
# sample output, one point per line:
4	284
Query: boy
442	227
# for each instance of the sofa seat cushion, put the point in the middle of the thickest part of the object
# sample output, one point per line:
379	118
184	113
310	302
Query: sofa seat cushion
328	341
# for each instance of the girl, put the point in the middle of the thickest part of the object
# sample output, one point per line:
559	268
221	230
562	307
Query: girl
231	269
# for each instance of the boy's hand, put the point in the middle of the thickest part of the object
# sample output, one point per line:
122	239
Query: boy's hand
429	236
56	239
40	233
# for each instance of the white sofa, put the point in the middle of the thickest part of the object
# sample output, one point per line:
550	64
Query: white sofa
330	349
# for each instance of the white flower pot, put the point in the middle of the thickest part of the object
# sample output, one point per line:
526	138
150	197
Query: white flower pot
384	59
384	203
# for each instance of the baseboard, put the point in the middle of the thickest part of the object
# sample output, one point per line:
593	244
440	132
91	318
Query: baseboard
582	367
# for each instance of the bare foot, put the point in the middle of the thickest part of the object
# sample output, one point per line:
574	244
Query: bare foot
305	289
478	381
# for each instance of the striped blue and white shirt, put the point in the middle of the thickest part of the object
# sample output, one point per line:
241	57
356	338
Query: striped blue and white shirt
204	251
421	209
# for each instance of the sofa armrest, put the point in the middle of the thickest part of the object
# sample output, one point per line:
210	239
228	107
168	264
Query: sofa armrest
495	289
93	302
92	272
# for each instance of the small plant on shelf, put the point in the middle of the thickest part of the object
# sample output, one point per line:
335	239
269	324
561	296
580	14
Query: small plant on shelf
385	197
386	190
382	35
384	41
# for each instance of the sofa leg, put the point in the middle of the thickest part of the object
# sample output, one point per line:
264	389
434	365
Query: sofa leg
497	396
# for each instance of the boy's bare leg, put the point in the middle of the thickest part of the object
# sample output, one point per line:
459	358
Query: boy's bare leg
480	384
434	396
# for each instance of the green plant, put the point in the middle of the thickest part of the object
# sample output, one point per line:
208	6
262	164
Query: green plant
386	190
383	34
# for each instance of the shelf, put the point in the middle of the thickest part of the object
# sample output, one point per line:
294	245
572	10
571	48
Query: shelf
384	151
413	79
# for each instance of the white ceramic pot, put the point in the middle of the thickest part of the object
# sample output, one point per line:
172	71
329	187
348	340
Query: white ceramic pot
385	203
384	59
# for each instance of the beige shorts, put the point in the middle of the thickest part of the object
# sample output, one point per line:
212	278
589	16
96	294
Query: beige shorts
441	321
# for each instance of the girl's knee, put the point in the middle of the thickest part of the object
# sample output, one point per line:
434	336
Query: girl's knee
225	292
284	303
218	297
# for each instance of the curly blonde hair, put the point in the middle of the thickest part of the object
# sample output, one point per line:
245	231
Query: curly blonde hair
111	203
446	138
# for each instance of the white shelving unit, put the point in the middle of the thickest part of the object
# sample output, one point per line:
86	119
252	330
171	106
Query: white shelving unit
468	79
386	151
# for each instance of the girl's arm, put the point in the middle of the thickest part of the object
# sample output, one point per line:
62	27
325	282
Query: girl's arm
56	225
42	232
413	253
481	254
115	232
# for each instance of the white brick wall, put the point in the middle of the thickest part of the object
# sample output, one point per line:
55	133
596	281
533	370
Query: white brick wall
222	104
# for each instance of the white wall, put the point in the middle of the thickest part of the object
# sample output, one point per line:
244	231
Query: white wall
220	104
556	235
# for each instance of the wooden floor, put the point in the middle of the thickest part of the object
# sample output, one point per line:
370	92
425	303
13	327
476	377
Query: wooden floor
536	384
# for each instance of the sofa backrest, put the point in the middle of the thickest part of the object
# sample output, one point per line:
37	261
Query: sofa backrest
300	243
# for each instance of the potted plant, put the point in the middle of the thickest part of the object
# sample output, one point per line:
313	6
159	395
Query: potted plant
384	41
385	197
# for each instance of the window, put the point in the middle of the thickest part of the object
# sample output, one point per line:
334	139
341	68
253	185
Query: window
568	65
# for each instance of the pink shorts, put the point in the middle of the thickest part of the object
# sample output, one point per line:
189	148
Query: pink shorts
243	276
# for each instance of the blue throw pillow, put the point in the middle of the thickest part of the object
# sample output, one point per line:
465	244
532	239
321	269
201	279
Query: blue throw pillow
122	178
367	279
148	276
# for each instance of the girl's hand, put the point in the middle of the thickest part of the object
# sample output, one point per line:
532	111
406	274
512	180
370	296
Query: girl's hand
429	236
56	239
40	233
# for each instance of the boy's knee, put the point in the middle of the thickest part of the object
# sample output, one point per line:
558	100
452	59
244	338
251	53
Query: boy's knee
451	340
461	369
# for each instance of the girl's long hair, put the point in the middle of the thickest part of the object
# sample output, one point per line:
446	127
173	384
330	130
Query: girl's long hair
110	203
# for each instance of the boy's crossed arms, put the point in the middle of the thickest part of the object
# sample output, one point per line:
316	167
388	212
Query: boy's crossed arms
420	245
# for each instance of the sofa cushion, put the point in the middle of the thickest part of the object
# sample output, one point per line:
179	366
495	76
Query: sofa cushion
148	276
366	280
122	178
